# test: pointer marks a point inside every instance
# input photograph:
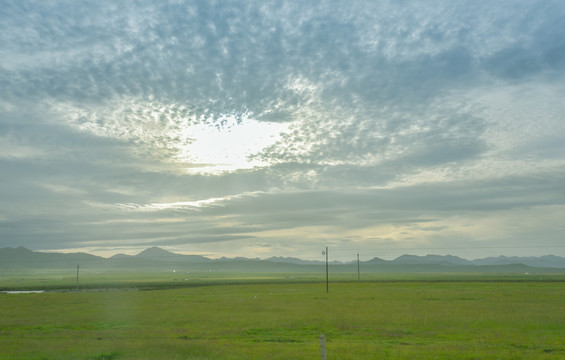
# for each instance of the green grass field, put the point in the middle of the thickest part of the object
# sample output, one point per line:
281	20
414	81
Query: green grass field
283	319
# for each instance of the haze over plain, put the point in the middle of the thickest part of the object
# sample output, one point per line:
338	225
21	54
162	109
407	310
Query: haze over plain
264	129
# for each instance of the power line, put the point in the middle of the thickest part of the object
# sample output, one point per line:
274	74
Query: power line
337	248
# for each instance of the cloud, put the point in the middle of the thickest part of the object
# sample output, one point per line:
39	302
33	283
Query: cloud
279	122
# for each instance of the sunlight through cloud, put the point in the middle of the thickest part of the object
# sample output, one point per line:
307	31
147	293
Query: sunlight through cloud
216	149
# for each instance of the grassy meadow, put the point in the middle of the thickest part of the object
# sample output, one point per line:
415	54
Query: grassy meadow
250	318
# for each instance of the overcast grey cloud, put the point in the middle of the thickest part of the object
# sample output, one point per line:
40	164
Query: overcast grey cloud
277	128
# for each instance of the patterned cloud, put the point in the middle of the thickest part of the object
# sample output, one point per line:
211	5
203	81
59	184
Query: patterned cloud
256	124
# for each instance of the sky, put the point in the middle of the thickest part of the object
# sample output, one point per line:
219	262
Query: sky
277	128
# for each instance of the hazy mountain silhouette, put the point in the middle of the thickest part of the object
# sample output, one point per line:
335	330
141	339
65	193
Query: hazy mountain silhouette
542	261
293	260
120	256
159	259
23	257
156	253
448	260
376	260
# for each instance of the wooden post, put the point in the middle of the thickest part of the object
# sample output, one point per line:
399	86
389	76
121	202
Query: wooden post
323	347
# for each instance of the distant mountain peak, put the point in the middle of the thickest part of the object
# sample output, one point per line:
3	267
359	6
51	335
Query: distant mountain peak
120	256
292	260
431	259
11	257
155	252
159	254
376	260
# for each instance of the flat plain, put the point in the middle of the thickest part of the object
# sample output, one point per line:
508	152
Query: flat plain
246	317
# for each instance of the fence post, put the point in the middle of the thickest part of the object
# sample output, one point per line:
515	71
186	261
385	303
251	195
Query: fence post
323	347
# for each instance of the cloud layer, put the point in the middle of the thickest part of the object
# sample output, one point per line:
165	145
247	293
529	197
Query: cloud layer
276	128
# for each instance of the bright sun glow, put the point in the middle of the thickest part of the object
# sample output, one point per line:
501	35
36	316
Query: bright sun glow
215	146
227	148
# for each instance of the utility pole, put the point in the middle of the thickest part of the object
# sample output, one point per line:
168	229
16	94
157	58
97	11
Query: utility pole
77	276
327	276
358	268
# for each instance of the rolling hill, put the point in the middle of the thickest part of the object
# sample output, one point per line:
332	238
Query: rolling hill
157	259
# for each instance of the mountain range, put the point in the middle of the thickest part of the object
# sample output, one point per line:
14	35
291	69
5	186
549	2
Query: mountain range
156	258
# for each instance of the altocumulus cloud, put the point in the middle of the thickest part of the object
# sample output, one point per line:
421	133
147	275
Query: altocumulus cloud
276	128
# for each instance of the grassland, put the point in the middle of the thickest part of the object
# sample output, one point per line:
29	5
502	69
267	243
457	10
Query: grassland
247	317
